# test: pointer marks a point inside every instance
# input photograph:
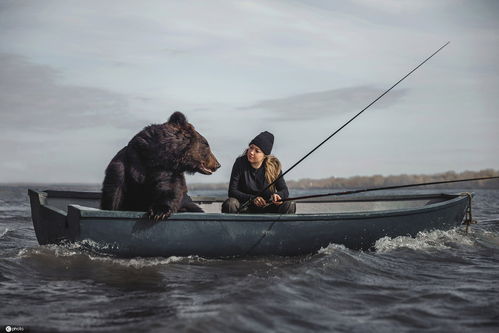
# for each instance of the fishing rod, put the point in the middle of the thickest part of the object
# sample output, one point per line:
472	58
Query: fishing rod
245	204
385	188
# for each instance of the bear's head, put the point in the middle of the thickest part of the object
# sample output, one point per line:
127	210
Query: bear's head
193	151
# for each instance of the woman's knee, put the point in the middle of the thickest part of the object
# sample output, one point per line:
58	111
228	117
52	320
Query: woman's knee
230	205
288	207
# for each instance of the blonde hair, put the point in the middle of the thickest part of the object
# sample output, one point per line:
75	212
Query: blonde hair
272	170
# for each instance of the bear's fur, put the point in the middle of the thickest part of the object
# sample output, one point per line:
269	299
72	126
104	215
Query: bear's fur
148	174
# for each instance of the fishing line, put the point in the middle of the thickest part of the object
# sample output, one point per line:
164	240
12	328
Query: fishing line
245	204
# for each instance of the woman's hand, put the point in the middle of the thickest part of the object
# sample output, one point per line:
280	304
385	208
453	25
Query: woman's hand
275	198
260	202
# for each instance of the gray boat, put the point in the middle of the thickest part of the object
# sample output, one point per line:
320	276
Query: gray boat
356	222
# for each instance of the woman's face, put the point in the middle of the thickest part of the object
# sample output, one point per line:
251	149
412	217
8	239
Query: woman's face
254	154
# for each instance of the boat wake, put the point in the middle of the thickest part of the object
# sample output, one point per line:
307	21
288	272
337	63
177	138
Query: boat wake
432	240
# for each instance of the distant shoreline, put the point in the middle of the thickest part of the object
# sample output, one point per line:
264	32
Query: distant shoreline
354	182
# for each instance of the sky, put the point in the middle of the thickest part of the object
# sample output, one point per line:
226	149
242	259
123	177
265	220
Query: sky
79	78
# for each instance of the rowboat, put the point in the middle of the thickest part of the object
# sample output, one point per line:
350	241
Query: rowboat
355	222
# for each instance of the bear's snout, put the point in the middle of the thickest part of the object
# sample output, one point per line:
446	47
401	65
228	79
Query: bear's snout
210	165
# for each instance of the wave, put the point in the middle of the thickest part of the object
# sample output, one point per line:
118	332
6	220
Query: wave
331	249
3	233
80	252
426	240
488	239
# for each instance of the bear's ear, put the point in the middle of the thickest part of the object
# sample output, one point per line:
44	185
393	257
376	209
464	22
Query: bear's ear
178	118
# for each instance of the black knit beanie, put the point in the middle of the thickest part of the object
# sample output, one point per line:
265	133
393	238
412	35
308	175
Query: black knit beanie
264	141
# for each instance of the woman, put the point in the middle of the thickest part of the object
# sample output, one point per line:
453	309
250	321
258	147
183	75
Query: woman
251	174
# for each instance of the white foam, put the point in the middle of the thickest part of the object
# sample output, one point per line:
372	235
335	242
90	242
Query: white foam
4	232
436	239
46	250
77	250
140	262
331	248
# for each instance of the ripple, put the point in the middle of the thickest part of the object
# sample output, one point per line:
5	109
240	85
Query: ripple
3	233
488	239
14	208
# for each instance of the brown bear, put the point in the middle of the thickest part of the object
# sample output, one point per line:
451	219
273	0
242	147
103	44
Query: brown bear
148	174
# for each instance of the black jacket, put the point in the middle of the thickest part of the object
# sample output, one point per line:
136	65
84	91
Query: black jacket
247	182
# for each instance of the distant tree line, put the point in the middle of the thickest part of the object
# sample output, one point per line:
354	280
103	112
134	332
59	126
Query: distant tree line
381	181
357	182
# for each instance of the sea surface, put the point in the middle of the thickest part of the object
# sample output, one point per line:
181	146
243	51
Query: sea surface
440	281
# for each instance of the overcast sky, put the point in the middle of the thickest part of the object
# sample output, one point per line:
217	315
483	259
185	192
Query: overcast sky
79	78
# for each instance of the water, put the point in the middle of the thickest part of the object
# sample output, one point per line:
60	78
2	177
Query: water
440	281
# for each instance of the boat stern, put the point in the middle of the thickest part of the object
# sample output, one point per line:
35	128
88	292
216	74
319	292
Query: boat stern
50	223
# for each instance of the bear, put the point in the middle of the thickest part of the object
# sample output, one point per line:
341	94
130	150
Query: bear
148	173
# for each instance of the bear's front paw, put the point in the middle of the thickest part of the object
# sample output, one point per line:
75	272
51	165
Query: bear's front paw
158	213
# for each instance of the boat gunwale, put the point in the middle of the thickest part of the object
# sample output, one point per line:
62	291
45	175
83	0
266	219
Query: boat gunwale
66	194
89	213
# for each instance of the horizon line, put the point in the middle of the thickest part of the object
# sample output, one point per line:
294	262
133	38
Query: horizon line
289	180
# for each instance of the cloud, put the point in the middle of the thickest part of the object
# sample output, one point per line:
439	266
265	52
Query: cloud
399	6
92	74
31	98
323	104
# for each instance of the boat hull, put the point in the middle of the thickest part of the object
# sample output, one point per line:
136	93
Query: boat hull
129	234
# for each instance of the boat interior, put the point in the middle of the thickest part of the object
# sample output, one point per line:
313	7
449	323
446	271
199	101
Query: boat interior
339	204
